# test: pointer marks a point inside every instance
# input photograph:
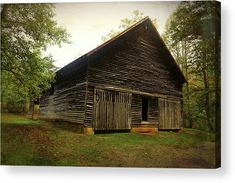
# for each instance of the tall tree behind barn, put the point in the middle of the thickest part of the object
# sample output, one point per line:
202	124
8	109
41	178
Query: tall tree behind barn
129	82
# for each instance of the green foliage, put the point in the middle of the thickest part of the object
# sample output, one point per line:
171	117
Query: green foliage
137	15
191	36
26	31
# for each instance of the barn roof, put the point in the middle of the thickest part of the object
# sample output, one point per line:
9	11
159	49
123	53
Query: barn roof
93	54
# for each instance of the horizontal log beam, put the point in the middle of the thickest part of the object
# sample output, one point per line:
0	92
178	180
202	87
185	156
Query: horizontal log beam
114	88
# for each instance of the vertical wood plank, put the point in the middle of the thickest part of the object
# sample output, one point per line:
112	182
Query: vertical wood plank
169	114
112	110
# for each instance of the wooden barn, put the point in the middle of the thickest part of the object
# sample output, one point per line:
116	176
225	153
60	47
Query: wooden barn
130	82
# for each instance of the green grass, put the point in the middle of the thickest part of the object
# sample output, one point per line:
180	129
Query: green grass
28	142
18	119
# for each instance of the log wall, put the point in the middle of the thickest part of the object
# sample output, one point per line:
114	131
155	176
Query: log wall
136	109
153	110
89	113
68	101
135	64
67	104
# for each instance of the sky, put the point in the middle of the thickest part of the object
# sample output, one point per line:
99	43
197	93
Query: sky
88	22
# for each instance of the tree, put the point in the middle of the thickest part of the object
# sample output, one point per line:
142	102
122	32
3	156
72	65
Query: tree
191	36
26	31
137	15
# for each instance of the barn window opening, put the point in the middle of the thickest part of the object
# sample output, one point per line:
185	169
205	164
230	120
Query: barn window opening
144	109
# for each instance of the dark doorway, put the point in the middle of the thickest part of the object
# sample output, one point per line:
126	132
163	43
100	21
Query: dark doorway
144	109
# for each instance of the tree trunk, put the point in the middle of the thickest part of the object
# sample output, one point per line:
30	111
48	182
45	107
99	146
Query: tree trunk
190	122
207	100
3	11
207	93
31	110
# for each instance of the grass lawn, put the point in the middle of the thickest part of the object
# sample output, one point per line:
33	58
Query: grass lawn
27	142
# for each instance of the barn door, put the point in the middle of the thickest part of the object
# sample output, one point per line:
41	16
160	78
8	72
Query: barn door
169	114
112	110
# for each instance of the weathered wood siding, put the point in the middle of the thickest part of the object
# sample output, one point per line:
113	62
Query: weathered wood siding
89	113
153	110
67	104
135	64
68	100
136	109
112	110
169	114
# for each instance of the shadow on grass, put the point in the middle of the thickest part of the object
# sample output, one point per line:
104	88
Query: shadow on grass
67	126
110	131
